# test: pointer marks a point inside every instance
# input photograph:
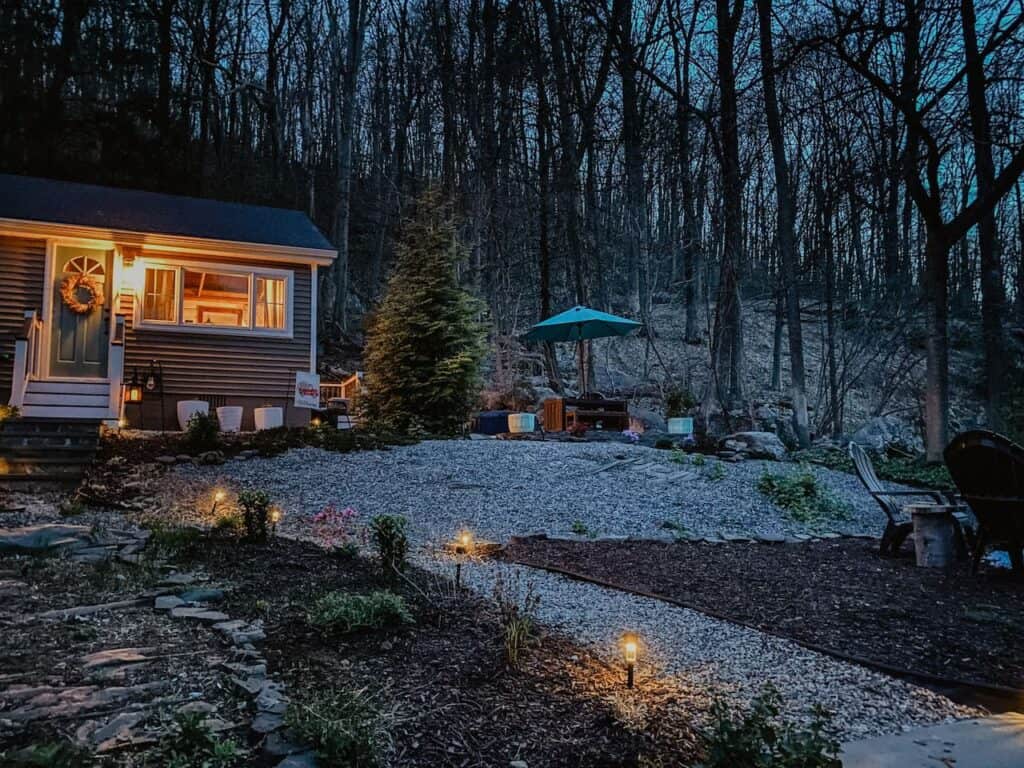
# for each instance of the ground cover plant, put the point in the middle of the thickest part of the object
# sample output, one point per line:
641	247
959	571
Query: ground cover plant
894	466
344	726
344	612
802	496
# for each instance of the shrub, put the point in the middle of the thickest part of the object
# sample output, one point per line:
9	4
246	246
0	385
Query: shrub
677	402
389	537
715	472
757	739
801	497
228	523
699	460
194	745
424	343
345	727
679	456
202	432
517	615
664	444
345	612
255	513
169	542
580	528
338	530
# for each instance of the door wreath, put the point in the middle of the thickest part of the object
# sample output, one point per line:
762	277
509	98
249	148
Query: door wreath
69	293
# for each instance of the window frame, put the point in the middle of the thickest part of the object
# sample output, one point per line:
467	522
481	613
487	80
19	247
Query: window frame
251	273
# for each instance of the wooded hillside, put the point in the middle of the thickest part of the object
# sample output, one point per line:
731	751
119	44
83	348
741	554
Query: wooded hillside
853	162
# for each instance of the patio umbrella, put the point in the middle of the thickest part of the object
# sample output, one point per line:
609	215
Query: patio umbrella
578	324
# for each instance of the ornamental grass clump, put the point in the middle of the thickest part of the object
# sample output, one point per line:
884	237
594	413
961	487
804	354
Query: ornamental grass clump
345	727
343	612
255	514
389	537
517	614
801	497
425	342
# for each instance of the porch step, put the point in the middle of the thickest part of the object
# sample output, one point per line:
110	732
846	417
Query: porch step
68	387
46	451
60	398
78	412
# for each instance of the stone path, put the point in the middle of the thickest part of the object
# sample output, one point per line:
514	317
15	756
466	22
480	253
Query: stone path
991	742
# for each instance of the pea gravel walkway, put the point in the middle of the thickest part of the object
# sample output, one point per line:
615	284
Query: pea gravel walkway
499	489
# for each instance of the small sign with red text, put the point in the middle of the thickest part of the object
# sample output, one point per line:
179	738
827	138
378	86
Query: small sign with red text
307	390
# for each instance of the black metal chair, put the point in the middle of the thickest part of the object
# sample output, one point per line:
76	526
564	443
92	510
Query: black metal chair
898	527
988	470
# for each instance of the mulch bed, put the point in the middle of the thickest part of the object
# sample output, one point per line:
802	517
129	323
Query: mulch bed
452	699
835	594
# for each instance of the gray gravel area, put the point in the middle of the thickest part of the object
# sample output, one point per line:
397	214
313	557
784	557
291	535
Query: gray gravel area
722	659
502	488
499	489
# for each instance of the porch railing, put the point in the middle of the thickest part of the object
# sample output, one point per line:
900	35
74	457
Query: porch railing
115	368
27	352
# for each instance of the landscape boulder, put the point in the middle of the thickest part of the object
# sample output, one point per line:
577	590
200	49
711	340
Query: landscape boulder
884	432
643	420
756	445
40	538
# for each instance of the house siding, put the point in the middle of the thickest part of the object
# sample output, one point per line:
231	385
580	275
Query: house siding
226	370
23	263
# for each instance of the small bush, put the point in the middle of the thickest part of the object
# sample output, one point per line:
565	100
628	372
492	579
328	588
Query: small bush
194	745
801	497
517	613
757	739
202	432
345	612
699	460
664	444
677	402
580	529
57	754
345	727
391	541
715	472
228	523
170	542
255	513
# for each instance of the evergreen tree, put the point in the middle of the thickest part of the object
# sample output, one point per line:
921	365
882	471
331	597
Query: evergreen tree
424	342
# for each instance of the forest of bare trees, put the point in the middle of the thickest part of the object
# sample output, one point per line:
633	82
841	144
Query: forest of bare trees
855	159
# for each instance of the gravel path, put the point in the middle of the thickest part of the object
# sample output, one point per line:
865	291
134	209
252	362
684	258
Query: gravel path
502	488
499	489
723	659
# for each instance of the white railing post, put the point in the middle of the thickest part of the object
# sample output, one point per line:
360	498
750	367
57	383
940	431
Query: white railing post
25	354
115	365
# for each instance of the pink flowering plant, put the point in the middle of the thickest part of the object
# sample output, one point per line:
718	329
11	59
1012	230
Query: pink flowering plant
339	530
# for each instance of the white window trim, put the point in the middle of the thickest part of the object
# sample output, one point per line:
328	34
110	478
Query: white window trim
251	273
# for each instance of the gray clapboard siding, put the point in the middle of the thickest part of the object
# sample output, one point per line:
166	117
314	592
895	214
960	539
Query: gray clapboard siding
22	270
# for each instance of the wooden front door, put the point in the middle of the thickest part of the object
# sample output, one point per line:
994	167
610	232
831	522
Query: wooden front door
79	340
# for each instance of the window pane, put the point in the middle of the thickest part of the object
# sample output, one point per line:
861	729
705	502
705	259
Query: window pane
270	302
159	296
217	299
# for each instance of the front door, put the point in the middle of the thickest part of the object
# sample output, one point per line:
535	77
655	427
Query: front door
81	314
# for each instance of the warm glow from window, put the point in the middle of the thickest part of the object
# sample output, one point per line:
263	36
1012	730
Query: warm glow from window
196	295
270	302
159	297
215	298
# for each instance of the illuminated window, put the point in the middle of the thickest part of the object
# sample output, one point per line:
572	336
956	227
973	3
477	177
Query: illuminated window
270	302
215	297
160	299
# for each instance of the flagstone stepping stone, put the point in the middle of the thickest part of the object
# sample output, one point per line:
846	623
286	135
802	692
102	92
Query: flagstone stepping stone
88	610
116	656
201	707
250	685
770	538
167	602
277	744
245	670
93	554
199	614
72	702
267	722
120	725
305	759
208	595
46	537
182	579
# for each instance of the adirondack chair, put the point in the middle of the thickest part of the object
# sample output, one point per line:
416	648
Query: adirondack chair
898	527
988	470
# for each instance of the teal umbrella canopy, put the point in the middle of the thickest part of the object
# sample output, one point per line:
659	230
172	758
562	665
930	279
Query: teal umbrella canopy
580	323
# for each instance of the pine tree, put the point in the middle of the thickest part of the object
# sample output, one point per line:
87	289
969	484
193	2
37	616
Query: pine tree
424	342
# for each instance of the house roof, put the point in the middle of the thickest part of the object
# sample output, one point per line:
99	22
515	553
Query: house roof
28	198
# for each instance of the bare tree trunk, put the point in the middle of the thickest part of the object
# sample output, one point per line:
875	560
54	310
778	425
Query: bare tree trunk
787	228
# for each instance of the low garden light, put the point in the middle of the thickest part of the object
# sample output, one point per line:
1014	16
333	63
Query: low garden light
465	543
218	496
630	647
314	422
275	517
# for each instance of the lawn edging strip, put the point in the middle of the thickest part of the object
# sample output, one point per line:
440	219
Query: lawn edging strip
1012	698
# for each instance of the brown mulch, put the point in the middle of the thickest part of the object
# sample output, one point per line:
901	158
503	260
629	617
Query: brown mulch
835	594
450	698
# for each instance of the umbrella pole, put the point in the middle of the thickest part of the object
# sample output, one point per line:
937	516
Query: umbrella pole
581	365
